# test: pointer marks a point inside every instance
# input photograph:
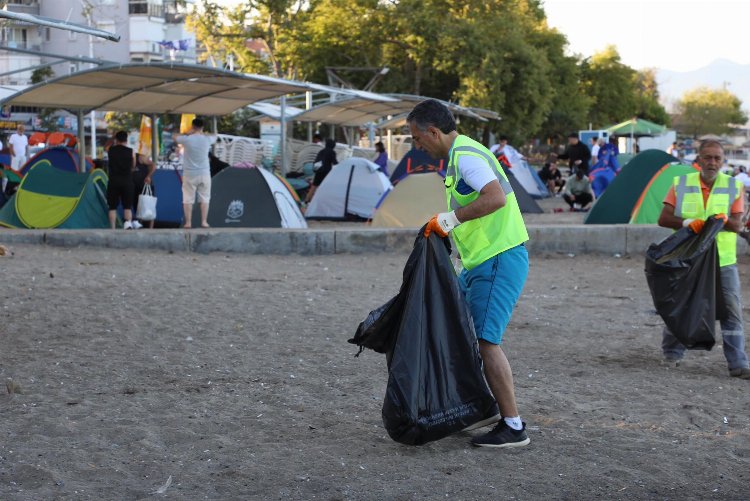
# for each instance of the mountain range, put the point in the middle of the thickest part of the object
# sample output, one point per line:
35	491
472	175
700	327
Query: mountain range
721	73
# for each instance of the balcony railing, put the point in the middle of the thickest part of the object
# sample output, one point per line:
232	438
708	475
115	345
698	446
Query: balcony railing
24	8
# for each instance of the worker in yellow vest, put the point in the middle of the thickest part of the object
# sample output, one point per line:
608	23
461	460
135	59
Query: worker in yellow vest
692	199
489	233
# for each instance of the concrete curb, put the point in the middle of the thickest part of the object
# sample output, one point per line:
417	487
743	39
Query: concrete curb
568	239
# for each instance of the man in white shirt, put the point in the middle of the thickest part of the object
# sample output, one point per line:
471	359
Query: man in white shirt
509	151
742	176
18	144
596	144
196	173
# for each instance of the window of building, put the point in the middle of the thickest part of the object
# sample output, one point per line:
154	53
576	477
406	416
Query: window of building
46	34
154	8
72	68
72	36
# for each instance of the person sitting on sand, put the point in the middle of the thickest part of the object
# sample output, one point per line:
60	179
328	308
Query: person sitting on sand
578	193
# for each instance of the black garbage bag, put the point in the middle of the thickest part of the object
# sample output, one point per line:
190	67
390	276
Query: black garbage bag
683	275
435	381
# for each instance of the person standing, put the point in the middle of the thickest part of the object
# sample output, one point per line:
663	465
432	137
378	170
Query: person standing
324	162
577	154
120	188
596	143
196	173
18	144
489	233
382	158
692	199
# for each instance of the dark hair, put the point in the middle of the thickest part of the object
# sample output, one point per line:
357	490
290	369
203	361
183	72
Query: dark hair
432	113
316	137
573	134
198	123
379	146
121	136
330	143
503	138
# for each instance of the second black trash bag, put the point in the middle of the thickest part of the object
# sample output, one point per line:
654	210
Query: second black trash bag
436	386
683	275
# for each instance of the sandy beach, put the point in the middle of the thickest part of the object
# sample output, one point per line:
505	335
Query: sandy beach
148	375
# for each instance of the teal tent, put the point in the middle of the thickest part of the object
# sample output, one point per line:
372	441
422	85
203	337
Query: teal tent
49	197
616	204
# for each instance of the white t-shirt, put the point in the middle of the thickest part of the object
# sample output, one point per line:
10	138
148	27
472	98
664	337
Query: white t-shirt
594	152
20	143
475	172
197	146
742	176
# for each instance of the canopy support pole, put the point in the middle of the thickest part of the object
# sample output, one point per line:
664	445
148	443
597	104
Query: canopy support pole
154	140
308	105
81	143
282	139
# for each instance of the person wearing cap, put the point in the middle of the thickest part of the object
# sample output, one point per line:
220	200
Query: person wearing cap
692	199
486	225
577	154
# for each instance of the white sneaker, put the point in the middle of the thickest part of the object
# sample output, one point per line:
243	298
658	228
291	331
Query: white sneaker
127	225
137	225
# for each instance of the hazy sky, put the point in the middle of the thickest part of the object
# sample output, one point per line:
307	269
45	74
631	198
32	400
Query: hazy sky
679	35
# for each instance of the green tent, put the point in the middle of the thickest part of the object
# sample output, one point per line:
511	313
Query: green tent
49	197
648	207
636	127
616	203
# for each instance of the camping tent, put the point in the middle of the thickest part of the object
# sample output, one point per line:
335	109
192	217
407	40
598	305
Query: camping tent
417	162
412	202
648	207
527	204
352	188
251	198
616	204
52	198
529	179
59	156
167	186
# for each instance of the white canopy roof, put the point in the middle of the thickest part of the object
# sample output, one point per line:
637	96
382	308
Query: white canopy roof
155	88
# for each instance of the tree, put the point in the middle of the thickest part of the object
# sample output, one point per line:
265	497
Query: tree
46	116
647	98
708	111
611	87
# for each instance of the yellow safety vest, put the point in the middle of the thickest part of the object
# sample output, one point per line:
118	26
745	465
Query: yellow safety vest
689	205
481	239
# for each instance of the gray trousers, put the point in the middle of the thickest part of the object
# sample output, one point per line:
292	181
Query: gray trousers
732	330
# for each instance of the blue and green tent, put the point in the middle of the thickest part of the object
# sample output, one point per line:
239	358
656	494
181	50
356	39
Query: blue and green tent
49	197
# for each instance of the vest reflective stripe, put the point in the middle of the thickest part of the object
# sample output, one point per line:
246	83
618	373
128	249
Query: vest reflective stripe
451	172
680	190
691	205
481	239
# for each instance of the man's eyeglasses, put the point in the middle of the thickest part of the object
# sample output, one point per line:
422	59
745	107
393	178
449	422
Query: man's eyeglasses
715	158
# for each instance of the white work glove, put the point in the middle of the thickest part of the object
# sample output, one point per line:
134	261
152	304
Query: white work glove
442	224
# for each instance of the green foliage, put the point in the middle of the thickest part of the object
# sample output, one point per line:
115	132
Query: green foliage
647	98
46	116
510	61
708	111
123	121
41	74
611	87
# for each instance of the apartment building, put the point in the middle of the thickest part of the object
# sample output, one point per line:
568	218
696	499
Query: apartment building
149	30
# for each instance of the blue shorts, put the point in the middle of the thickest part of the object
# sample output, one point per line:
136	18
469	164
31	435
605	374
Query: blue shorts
492	290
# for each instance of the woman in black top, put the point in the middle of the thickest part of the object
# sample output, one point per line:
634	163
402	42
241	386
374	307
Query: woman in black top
120	188
327	159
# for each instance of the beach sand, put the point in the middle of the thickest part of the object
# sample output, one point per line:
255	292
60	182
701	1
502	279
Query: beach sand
141	375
